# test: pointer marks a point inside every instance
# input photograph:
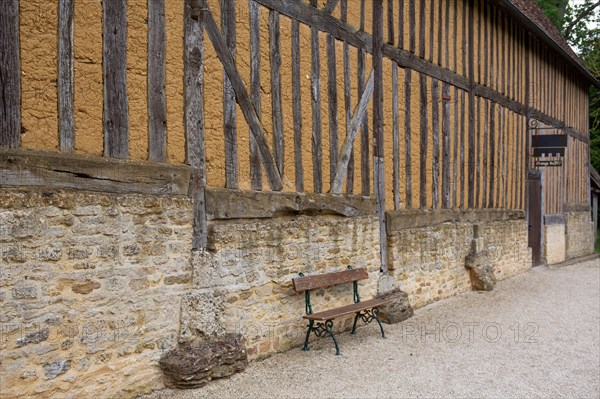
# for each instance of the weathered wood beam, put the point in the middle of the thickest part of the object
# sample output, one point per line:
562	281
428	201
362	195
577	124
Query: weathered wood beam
277	113
411	25
157	102
395	137
255	165
193	71
116	120
484	203
492	129
407	136
401	23
357	118
242	97
332	105
365	145
22	168
297	107
10	75
66	122
463	150
435	129
471	74
316	105
378	151
446	145
424	135
455	137
223	204
229	106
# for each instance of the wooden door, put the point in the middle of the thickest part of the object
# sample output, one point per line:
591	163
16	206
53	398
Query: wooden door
534	217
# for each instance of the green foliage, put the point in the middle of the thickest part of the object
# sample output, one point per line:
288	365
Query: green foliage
554	10
581	26
586	40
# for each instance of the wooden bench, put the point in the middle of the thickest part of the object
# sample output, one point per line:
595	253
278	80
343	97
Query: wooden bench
321	323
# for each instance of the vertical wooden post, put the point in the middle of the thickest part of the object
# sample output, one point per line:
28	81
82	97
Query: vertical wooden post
411	25
296	106
364	141
471	202
194	115
435	129
492	120
424	138
65	76
229	102
527	115
407	138
347	99
10	75
395	136
445	145
378	127
333	106
277	114
316	108
157	102
255	164
116	119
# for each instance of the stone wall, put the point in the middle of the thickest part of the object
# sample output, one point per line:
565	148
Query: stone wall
580	234
554	243
96	287
90	288
244	285
428	262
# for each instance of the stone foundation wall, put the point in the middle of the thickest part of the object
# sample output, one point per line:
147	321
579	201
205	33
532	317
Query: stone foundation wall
428	262
90	288
96	287
580	234
244	284
554	243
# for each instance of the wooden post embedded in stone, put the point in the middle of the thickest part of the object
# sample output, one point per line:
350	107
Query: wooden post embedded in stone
378	154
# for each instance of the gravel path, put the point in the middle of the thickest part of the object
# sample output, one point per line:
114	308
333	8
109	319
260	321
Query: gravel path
535	335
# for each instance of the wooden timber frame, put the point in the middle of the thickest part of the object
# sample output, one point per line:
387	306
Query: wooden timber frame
474	105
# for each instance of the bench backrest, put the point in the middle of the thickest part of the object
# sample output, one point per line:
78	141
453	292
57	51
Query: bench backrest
329	279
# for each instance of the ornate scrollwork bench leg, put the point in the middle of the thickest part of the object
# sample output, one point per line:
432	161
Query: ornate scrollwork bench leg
321	330
367	316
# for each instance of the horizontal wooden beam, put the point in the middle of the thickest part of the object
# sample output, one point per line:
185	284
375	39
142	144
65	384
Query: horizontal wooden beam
56	170
236	204
401	220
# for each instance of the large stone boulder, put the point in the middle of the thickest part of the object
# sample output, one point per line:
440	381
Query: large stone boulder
194	364
481	272
396	311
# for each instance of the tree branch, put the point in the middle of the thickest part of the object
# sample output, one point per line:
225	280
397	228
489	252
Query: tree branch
579	17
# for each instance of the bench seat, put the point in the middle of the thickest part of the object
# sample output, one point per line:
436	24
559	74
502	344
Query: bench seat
346	310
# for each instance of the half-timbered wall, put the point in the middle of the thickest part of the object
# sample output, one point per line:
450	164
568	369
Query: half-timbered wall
454	102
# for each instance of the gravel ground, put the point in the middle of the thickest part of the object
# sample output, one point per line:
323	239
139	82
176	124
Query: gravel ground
535	335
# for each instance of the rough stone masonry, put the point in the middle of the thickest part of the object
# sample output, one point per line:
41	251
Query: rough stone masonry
96	288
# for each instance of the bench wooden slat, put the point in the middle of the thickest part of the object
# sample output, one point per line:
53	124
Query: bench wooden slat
346	310
328	279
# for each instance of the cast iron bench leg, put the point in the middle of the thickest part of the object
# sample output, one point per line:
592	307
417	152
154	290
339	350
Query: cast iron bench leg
375	311
328	327
354	325
310	328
